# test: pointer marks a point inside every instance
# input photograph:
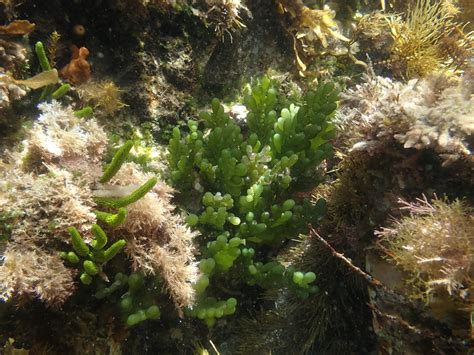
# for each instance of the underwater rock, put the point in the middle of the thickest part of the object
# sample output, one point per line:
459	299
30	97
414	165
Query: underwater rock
12	56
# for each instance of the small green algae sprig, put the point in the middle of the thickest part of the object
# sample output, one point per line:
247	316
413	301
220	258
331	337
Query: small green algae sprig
127	200
61	91
112	168
49	91
117	161
85	112
96	256
42	57
112	219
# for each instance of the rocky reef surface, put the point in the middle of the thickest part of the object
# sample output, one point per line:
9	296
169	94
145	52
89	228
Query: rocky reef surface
229	176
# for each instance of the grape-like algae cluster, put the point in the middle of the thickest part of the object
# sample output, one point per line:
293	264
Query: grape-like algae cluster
247	178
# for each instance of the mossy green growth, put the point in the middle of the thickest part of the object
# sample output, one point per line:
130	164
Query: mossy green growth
96	257
250	179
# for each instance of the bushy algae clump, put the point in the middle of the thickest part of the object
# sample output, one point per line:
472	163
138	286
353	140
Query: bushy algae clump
434	247
105	96
428	39
248	181
435	243
433	113
55	182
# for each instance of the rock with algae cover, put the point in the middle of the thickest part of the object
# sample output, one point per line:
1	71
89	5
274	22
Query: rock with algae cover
49	185
435	113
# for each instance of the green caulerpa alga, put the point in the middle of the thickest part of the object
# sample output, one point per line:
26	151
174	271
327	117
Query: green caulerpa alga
137	304
249	179
97	255
49	92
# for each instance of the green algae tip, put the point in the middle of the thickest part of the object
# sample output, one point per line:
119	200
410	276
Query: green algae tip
86	112
90	267
78	243
113	220
117	161
127	200
63	89
100	239
114	249
85	278
42	57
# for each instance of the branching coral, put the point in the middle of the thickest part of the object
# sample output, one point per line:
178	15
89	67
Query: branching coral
433	113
